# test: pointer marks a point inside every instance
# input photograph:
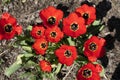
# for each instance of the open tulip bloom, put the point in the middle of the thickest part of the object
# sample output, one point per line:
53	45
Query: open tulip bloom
94	48
51	16
87	12
9	27
88	72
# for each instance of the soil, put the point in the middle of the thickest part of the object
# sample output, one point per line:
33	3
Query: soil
27	13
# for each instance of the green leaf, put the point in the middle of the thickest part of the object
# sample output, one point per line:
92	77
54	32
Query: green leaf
58	68
24	75
102	72
71	42
19	60
15	46
101	28
52	77
23	42
28	75
15	66
6	1
81	58
29	28
28	55
27	48
30	64
96	23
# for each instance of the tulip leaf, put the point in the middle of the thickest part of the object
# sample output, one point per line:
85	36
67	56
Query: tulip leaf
23	42
27	48
101	28
15	66
58	68
29	75
71	42
30	64
29	28
102	73
6	1
28	55
96	23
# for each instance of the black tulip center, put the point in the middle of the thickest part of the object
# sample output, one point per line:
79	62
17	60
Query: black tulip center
51	20
8	28
43	45
87	73
39	32
68	53
74	26
53	34
85	16
92	46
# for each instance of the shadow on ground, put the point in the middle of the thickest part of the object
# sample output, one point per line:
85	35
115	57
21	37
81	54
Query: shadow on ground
114	26
116	74
102	8
101	11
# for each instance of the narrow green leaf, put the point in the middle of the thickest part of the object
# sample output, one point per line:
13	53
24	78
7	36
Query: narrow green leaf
28	75
71	42
101	28
23	42
24	75
28	55
6	1
58	68
15	66
102	72
15	46
29	28
96	23
27	48
52	77
30	64
81	58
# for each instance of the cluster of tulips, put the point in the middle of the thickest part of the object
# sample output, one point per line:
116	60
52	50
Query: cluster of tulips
50	32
